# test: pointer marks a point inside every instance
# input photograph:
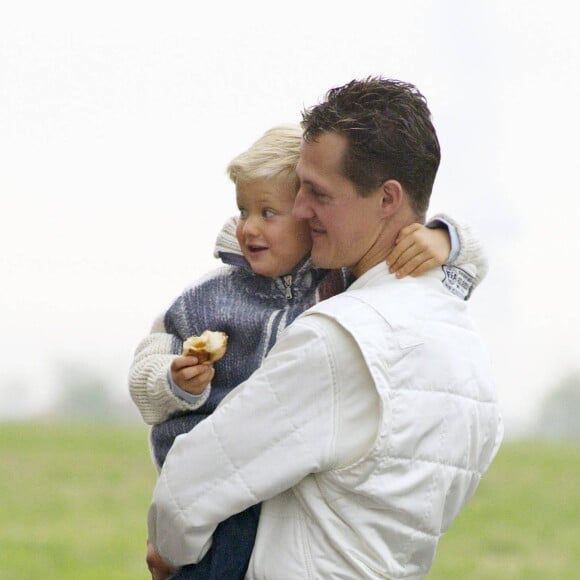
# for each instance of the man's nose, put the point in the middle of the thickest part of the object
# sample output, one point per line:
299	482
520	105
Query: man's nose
300	209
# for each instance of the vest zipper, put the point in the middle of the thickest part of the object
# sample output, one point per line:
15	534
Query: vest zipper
288	287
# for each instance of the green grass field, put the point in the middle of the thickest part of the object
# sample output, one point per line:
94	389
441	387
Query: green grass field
74	500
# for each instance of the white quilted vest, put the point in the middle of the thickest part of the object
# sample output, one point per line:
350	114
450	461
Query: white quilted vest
383	516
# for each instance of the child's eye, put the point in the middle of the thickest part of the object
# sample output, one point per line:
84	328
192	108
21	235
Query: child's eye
268	213
243	213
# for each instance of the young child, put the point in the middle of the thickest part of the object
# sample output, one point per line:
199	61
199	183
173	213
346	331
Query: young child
266	282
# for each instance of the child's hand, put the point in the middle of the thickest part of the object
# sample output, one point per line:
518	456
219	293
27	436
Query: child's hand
418	249
189	376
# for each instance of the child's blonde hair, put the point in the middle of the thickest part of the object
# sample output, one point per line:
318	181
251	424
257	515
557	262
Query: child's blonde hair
273	156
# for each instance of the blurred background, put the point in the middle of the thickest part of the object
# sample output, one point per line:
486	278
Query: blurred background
117	120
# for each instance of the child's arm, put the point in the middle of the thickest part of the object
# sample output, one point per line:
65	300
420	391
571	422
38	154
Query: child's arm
470	250
151	377
419	248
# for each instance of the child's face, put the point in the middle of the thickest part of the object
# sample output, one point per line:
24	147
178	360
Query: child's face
271	239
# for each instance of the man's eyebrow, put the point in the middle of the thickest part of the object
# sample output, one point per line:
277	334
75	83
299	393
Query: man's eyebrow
306	181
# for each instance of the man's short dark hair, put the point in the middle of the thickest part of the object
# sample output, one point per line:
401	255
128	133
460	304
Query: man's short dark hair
390	135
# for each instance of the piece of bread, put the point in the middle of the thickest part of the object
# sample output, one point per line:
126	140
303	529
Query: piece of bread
208	347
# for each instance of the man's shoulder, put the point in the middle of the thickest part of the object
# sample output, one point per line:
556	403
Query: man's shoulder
404	304
374	288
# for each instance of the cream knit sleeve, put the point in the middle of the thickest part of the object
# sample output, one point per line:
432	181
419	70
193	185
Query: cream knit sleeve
148	378
471	248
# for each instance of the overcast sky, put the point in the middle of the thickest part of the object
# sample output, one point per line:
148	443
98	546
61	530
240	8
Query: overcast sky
117	119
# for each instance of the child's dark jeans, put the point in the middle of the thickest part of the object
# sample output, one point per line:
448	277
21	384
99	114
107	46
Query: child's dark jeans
230	553
233	539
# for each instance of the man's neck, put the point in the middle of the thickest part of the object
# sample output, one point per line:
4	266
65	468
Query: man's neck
384	243
377	253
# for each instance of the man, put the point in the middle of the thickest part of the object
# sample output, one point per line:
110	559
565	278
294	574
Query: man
370	423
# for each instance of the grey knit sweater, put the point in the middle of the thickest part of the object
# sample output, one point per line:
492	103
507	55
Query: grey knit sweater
252	310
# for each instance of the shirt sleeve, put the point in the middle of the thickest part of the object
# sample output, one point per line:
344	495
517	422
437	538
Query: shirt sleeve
268	434
453	236
471	253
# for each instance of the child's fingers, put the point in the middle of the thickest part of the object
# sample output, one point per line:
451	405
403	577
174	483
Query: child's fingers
402	253
199	382
181	362
193	379
408	230
413	266
197	371
408	237
427	264
418	250
425	267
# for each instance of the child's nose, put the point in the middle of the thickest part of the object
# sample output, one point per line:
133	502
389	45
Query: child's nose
251	226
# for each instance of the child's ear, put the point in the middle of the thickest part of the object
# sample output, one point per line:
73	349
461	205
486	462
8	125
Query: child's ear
391	197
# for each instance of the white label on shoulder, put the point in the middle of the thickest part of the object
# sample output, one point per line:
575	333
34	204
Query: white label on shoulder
459	282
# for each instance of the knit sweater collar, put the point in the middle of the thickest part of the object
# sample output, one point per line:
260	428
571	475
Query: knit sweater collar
292	285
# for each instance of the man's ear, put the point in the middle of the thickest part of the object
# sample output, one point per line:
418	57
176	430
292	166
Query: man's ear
392	197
